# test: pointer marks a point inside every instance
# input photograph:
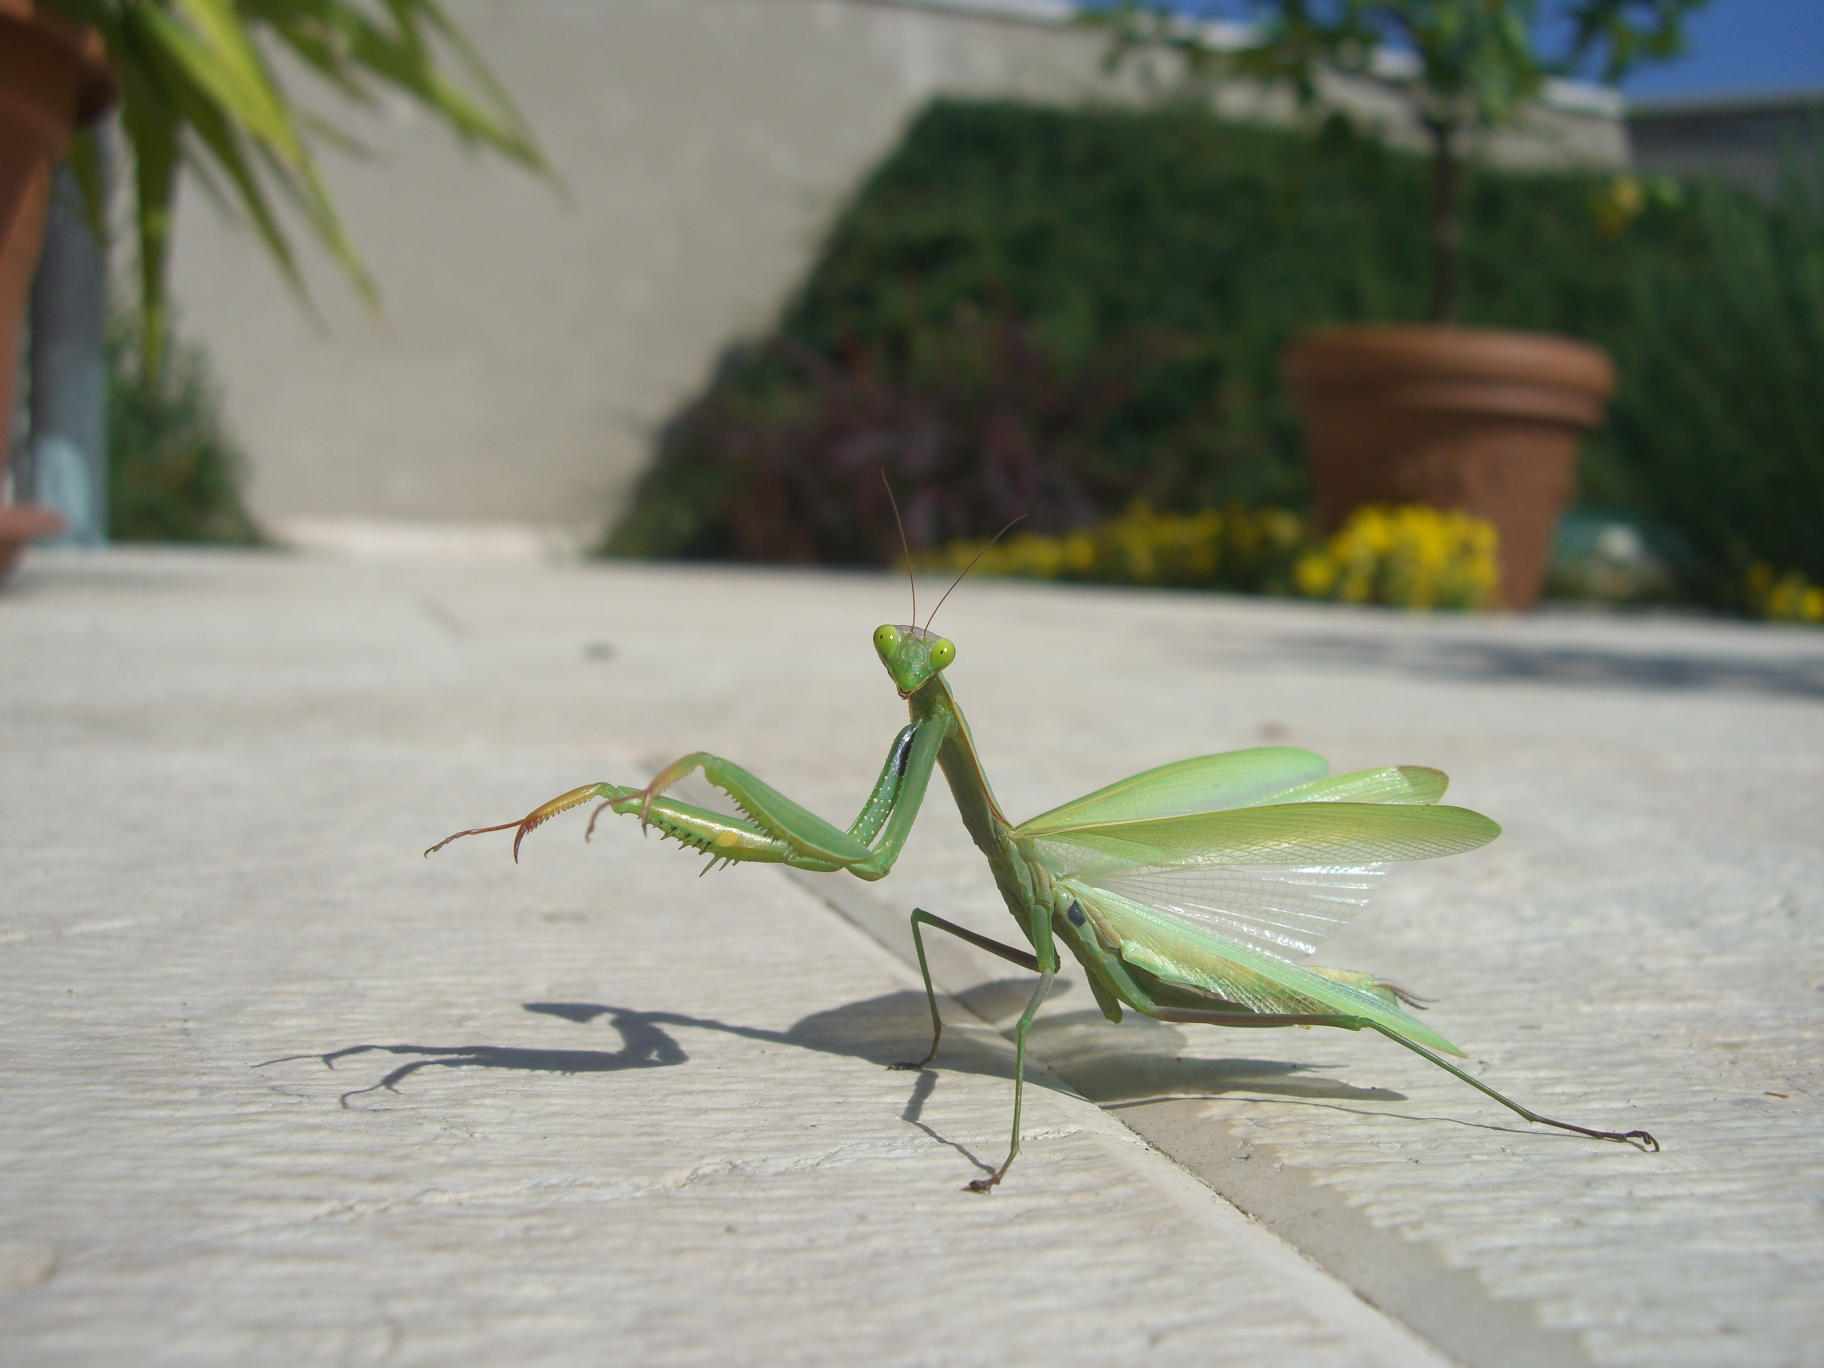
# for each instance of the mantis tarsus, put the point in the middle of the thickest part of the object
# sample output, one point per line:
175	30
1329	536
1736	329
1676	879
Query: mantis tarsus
1182	891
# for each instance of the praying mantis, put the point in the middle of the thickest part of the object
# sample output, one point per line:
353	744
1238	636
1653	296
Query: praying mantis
1182	891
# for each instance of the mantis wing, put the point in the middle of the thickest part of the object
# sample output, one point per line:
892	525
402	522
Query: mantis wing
1281	911
1279	886
1308	834
1389	784
1216	900
1153	939
1246	778
1203	783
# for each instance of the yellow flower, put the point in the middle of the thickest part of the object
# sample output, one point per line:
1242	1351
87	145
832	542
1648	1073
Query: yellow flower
1619	204
1314	574
1406	555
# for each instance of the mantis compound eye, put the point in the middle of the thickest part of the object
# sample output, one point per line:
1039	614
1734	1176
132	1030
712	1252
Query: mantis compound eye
886	639
943	651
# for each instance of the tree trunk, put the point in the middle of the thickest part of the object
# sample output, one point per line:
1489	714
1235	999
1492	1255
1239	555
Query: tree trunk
1446	228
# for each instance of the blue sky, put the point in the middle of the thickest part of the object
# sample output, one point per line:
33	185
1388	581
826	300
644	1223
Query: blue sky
1733	47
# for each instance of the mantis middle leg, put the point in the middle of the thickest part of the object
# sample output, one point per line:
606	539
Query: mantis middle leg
1024	958
1019	1080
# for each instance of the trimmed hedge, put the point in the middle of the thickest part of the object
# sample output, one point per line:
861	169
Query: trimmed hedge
174	473
1052	312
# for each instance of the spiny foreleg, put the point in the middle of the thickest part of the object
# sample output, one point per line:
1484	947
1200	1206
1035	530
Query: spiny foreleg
716	834
771	828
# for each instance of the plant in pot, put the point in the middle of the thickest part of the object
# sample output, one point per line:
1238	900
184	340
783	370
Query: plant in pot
1482	420
196	89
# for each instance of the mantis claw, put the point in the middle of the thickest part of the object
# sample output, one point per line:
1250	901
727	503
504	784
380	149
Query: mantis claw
530	822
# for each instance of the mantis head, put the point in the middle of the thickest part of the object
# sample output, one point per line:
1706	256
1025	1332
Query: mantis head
912	655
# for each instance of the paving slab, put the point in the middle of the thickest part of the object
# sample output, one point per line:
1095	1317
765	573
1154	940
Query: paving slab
279	1089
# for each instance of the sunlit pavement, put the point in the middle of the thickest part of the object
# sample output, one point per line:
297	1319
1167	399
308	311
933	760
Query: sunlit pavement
279	1089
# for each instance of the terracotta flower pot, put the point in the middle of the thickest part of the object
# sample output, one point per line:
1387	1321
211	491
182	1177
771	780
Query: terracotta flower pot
1483	421
53	79
22	523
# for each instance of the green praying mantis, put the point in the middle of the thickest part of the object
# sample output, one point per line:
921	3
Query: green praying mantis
1183	891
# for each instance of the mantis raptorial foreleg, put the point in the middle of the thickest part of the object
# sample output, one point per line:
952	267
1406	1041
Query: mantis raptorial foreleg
724	837
772	828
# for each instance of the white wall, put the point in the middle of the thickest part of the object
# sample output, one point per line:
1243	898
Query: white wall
531	344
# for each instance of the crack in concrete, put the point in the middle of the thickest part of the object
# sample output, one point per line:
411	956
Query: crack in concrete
1449	1307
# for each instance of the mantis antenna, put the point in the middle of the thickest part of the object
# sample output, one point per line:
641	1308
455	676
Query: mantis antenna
905	545
967	568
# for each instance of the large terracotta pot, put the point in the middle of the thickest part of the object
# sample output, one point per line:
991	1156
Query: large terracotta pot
1473	419
53	79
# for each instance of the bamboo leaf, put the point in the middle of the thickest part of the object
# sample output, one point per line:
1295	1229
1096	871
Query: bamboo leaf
181	100
152	124
234	82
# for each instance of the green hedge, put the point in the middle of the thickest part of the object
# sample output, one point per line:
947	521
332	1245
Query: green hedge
174	473
1052	312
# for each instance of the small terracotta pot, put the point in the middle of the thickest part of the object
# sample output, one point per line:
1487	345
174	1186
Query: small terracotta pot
1479	420
22	523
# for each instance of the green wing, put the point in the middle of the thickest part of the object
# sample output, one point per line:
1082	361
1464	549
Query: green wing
1245	778
1308	834
1210	872
1178	952
1389	784
1204	783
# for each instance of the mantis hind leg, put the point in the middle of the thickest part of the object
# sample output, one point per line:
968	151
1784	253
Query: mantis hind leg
921	918
1639	1138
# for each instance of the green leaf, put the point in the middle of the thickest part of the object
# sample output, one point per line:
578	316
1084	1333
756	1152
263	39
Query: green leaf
152	125
163	83
195	68
220	59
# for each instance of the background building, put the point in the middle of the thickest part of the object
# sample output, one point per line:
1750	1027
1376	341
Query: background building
536	337
1750	140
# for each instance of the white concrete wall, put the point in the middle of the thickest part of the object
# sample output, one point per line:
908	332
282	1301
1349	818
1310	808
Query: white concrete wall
531	343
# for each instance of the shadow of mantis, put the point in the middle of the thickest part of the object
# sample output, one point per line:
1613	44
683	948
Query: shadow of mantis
881	1030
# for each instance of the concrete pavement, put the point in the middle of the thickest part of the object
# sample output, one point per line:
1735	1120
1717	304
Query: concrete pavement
278	1089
